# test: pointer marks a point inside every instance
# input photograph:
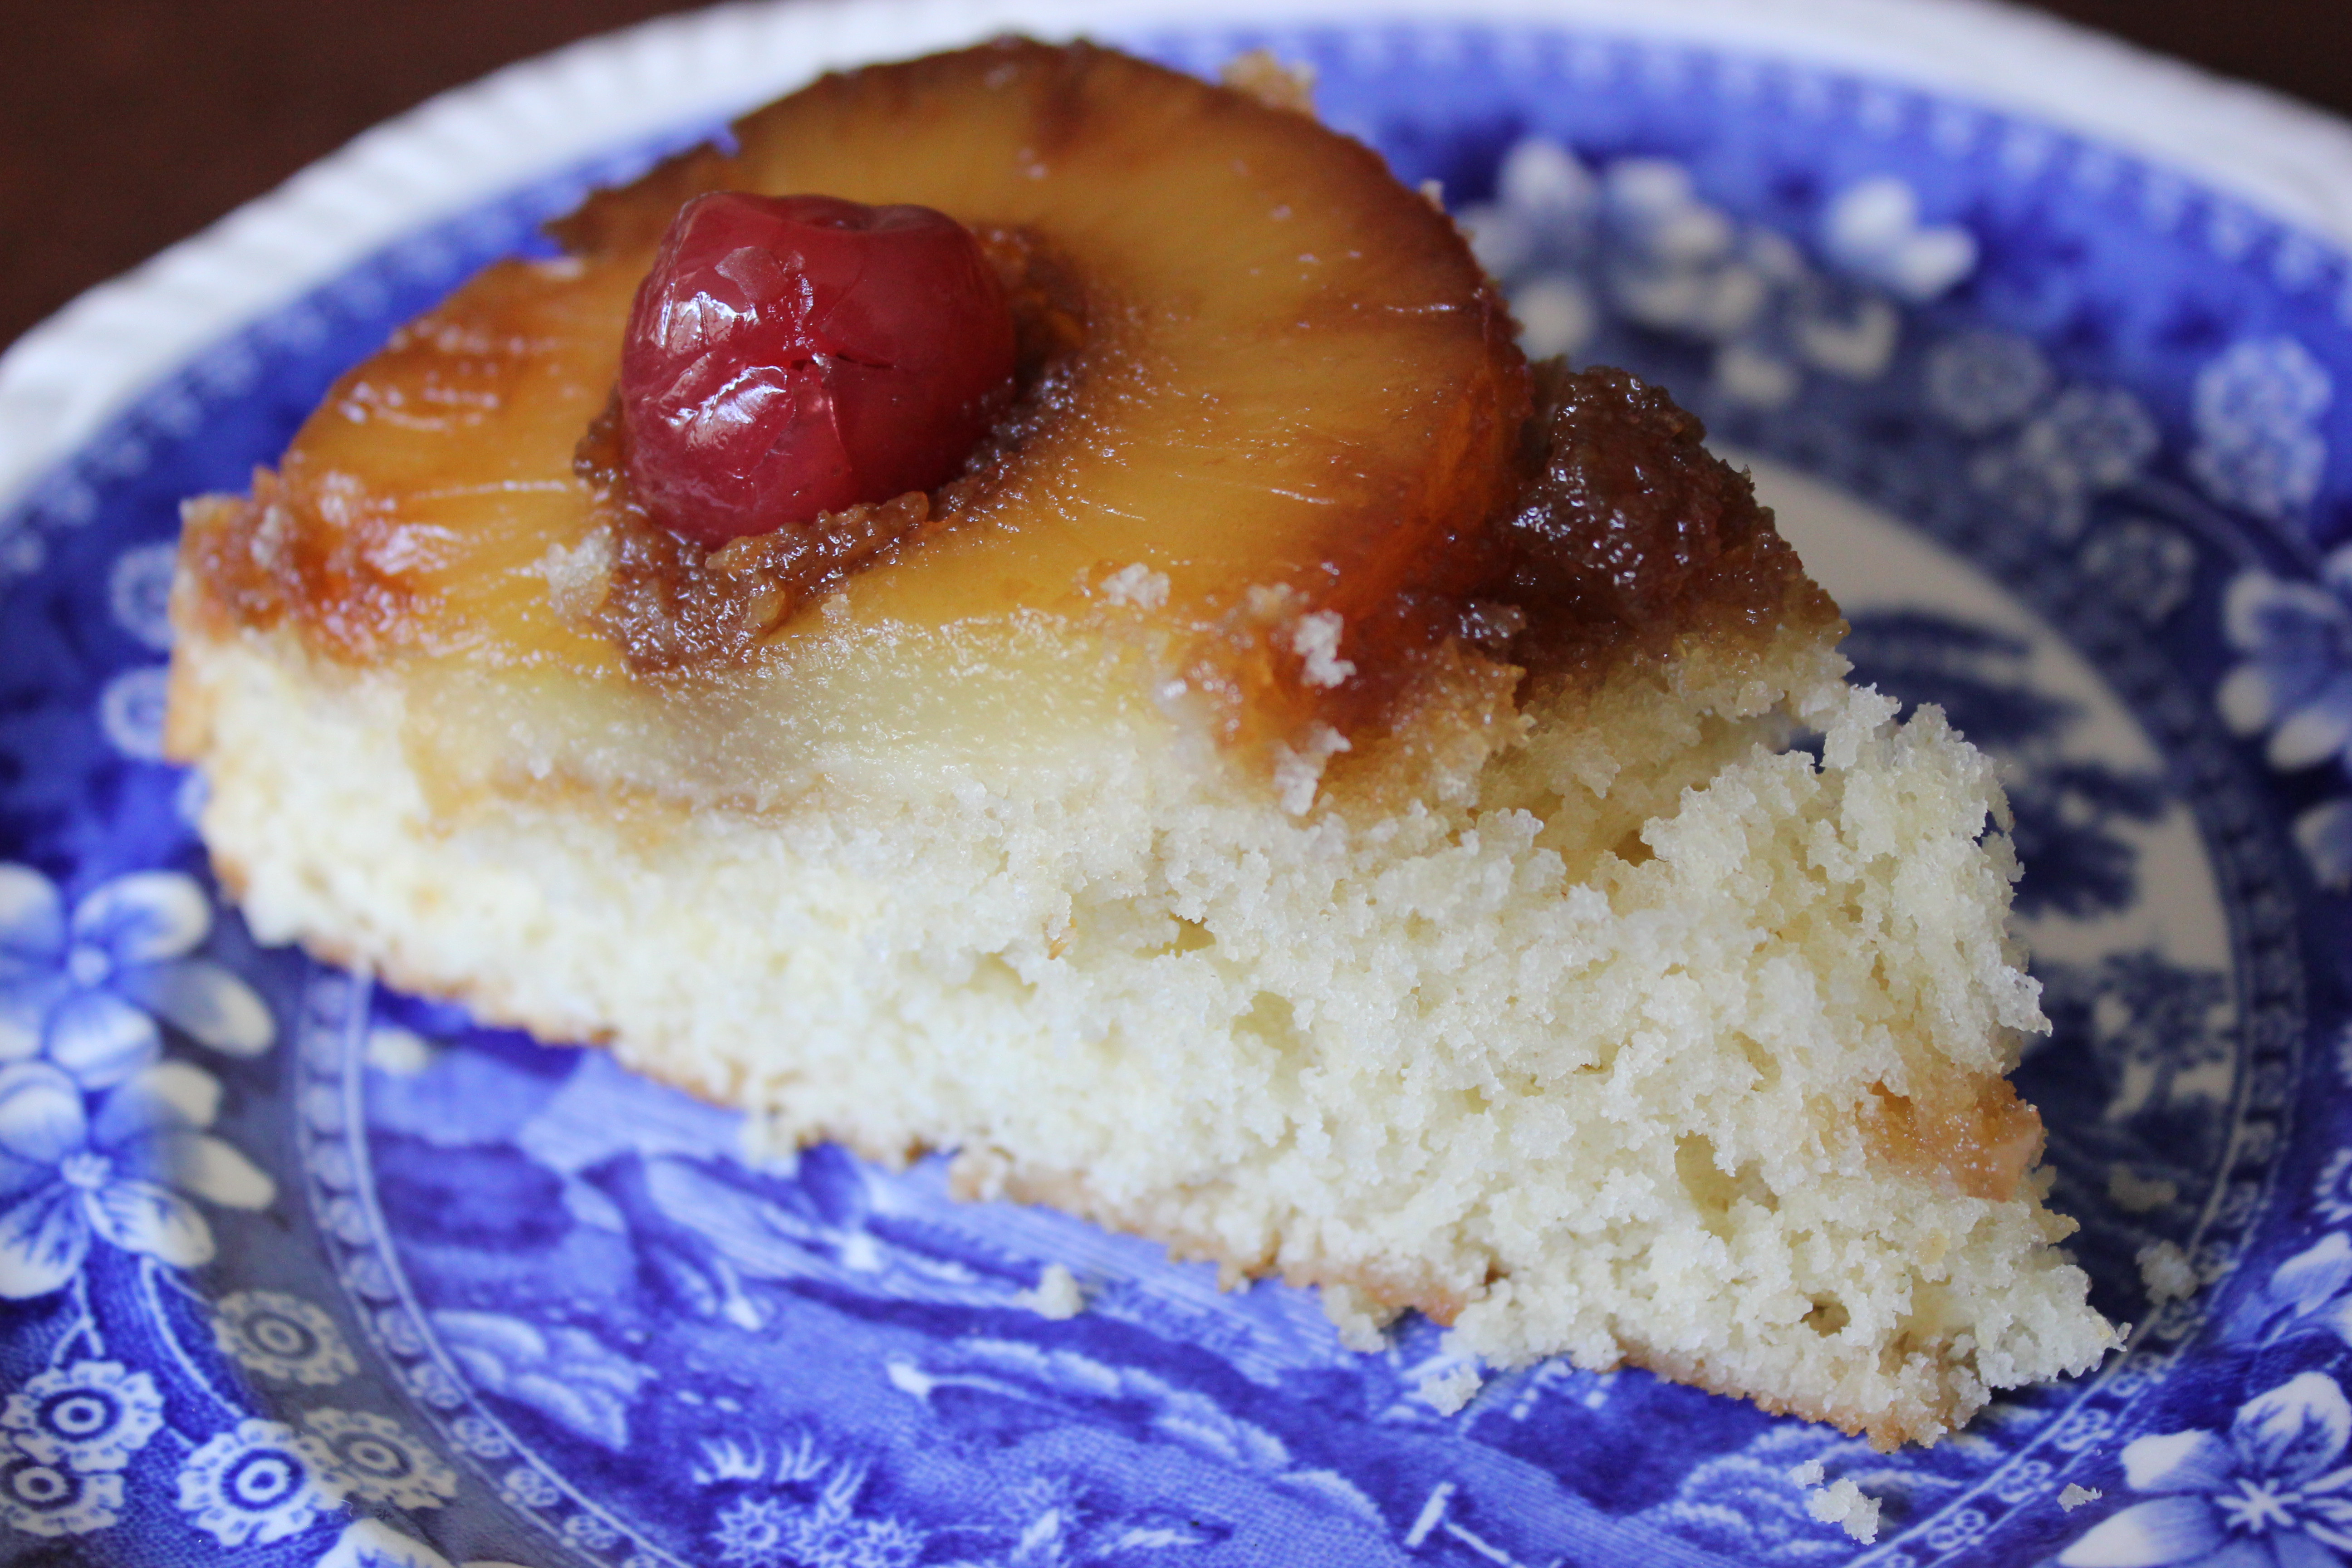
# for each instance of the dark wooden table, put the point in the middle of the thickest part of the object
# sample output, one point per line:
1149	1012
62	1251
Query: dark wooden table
126	124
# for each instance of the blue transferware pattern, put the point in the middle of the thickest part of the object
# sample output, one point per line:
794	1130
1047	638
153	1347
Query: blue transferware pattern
296	1270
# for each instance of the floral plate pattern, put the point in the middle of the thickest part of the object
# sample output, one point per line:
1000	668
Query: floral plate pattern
298	1270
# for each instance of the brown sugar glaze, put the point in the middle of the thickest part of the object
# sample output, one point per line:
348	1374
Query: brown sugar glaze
1971	1135
1334	418
671	605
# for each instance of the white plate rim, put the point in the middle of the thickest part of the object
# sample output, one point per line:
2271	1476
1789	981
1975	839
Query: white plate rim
64	379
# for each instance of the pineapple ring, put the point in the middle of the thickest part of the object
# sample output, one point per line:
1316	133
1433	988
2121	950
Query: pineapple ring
1294	391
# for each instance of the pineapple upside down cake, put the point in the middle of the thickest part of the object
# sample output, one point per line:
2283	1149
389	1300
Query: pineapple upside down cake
1035	609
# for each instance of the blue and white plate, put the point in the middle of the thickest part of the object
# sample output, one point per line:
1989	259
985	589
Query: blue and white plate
2043	351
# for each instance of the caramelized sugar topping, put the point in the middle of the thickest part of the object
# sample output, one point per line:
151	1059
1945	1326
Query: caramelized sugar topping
1631	529
672	604
1976	1137
1258	376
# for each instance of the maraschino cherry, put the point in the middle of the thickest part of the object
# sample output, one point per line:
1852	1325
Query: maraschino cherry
789	356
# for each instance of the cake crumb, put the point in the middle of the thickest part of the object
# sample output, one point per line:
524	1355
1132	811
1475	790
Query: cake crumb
762	1144
2072	1497
1260	75
2134	1196
1363	1322
1299	774
1434	193
1058	1294
2165	1269
1316	639
1137	586
1809	1474
1448	1392
979	1174
1842	1504
576	576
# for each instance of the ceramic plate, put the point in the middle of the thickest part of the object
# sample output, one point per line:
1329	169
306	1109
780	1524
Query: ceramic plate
300	1270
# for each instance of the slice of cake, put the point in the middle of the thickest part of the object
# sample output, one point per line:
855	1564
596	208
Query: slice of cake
1306	787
